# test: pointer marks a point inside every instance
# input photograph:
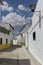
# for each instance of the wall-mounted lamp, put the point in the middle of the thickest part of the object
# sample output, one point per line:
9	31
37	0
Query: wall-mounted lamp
32	7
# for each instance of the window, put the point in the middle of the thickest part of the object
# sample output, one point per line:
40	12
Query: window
0	40
34	35
6	41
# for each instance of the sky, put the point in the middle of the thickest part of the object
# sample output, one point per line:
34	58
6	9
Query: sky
16	12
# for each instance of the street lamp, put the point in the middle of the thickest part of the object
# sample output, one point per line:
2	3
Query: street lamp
1	3
32	7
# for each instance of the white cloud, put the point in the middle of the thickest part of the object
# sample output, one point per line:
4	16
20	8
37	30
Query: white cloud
14	19
21	7
6	7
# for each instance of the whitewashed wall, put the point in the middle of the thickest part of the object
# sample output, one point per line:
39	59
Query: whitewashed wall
36	47
19	39
25	39
6	36
14	41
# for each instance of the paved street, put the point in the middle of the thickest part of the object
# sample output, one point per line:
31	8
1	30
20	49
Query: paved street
17	55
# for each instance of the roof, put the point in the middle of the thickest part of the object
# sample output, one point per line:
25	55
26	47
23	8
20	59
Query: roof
8	23
11	26
22	28
4	30
14	38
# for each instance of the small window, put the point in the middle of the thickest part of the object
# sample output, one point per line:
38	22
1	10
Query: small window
34	35
6	41
0	40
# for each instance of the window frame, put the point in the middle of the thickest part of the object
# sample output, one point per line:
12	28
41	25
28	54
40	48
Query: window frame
0	40
34	35
6	41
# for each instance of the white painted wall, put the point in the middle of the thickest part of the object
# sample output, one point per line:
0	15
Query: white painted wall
19	39
14	41
26	39
36	47
6	36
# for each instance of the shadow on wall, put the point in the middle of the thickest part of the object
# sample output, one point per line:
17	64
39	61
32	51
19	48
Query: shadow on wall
6	61
12	48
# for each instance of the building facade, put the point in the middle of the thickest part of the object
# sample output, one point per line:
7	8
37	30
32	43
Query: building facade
24	32
6	35
15	41
35	34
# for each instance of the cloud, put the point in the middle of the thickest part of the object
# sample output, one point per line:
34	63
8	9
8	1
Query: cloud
15	19
6	7
21	7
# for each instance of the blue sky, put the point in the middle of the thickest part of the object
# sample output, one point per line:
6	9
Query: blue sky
16	12
15	3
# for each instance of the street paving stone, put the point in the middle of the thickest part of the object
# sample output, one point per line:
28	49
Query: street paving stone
17	55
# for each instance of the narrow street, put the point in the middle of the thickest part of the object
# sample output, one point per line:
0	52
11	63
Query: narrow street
17	55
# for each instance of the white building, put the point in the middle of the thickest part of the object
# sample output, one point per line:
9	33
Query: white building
35	34
6	35
15	41
19	39
24	32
